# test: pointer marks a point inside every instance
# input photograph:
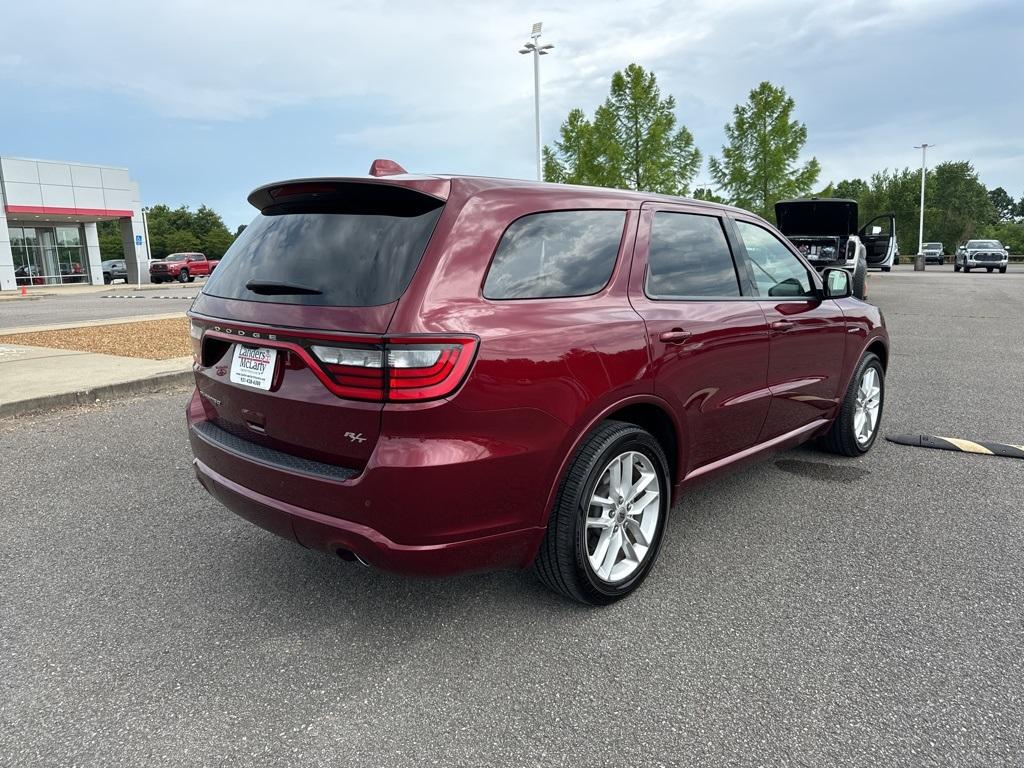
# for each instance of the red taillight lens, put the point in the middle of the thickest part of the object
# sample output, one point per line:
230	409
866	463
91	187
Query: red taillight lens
427	369
405	370
358	372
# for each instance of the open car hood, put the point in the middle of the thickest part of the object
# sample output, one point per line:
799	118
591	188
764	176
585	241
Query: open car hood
830	216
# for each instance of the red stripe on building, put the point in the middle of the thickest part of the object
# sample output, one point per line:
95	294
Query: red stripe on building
45	210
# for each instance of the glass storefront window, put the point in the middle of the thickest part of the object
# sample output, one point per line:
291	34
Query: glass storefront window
49	255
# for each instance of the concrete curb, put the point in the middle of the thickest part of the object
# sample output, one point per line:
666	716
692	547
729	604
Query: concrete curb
149	385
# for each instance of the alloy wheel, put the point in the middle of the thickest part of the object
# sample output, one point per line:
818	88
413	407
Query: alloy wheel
868	403
622	517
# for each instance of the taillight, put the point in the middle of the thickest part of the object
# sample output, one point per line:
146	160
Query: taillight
195	332
358	372
406	369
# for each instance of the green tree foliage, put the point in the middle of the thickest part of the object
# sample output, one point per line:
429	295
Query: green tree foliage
109	234
759	164
172	230
957	205
634	141
1005	206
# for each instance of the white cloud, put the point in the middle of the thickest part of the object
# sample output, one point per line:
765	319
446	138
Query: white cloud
446	75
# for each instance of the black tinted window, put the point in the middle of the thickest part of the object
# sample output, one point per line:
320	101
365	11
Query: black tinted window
689	256
561	253
358	249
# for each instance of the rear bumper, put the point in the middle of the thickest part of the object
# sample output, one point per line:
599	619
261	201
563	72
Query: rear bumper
422	507
331	534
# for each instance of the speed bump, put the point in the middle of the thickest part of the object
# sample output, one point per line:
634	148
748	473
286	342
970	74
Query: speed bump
958	444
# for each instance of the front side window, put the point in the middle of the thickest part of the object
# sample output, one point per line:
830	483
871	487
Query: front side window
555	255
777	272
689	257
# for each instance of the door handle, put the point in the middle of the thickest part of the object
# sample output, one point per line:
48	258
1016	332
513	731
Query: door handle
675	336
783	325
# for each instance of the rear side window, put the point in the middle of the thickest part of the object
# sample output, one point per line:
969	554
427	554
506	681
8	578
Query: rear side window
356	247
689	257
555	254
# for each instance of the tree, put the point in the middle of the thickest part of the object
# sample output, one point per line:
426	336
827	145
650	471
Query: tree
1004	205
759	164
958	203
634	141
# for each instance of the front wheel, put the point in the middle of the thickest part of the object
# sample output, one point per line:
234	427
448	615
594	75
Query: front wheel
856	426
183	276
956	266
1002	270
606	527
887	269
966	268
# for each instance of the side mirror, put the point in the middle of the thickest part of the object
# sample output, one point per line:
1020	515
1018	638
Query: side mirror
837	284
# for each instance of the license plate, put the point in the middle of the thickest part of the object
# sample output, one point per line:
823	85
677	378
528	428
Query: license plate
253	366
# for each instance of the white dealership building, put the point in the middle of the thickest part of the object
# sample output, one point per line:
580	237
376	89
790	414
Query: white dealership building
48	216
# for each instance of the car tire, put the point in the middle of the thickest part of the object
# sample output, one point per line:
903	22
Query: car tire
887	269
989	269
1002	270
183	276
860	273
191	278
956	266
846	436
578	526
966	268
107	280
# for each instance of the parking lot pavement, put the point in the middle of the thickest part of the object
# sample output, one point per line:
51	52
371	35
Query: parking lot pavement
809	611
74	307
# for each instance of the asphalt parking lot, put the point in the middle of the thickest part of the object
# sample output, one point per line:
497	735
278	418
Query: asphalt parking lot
809	611
116	301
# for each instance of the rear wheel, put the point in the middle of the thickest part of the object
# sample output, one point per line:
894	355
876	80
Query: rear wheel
606	527
856	426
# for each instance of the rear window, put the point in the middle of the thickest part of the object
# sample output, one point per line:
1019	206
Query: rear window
358	247
555	255
689	257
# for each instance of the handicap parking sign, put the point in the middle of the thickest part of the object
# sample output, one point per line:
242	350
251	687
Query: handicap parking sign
138	239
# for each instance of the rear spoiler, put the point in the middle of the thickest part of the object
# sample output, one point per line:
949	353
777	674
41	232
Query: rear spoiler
324	189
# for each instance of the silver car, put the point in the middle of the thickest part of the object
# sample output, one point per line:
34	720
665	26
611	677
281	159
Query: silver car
989	254
934	252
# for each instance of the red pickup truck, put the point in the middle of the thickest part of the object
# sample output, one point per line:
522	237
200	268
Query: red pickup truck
182	267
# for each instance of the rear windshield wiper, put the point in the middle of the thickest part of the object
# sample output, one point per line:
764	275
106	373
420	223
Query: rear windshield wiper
279	288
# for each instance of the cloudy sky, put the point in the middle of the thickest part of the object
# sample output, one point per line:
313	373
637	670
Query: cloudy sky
205	100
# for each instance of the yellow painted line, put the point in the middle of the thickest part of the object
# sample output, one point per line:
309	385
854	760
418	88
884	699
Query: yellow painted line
968	446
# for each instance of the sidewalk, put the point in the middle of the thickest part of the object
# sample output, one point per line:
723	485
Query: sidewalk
39	378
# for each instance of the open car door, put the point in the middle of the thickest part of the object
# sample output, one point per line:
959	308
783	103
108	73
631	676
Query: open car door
879	239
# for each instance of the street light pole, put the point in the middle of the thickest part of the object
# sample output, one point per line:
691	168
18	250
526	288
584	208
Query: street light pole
920	230
537	50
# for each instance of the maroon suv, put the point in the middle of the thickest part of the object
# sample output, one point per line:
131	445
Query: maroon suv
440	373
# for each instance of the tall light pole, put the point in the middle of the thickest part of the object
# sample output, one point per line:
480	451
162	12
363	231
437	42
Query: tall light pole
537	50
920	230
